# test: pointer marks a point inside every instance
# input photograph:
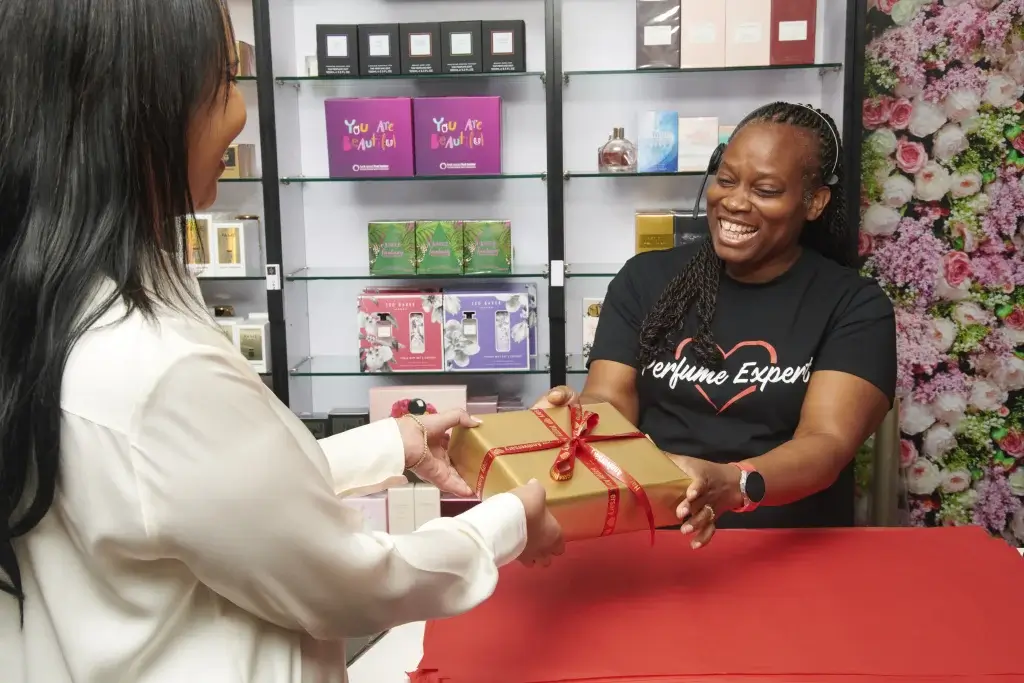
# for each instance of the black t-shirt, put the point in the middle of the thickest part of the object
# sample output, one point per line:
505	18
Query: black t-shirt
818	315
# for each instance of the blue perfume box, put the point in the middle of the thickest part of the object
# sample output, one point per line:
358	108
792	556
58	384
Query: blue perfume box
658	142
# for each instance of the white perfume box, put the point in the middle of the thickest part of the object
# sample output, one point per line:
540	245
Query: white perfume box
427	500
591	314
698	138
253	341
237	251
373	508
200	244
402	509
229	326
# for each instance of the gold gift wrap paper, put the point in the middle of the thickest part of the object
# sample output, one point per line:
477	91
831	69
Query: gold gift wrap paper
580	504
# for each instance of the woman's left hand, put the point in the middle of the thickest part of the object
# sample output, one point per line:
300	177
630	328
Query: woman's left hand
425	438
714	489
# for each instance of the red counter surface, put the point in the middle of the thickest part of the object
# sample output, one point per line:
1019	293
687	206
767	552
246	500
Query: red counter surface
793	606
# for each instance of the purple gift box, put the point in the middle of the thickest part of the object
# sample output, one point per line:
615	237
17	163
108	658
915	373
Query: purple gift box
457	135
369	137
487	328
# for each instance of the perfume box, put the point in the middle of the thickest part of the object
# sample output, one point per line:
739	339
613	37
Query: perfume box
402	509
748	26
487	247
397	401
373	508
228	325
702	35
487	328
237	252
421	48
457	135
199	244
657	142
316	423
657	34
591	315
392	247
253	341
378	50
337	50
453	506
793	26
461	47
698	138
504	46
246	59
239	161
311	66
439	247
653	231
427	503
400	331
344	419
369	137
686	229
510	405
482	405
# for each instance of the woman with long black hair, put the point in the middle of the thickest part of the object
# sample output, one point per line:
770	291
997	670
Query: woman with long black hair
163	517
758	358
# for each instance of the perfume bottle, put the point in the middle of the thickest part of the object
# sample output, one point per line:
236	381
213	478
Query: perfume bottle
469	329
618	155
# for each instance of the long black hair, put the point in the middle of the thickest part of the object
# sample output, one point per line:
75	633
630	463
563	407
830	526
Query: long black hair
697	283
96	99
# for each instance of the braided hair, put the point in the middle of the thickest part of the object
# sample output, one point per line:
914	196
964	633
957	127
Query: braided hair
697	283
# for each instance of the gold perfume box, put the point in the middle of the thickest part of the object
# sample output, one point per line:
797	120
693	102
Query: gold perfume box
199	244
654	231
239	161
237	248
246	59
253	341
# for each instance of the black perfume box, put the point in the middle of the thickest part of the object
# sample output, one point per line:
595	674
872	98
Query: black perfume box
317	424
504	45
657	34
460	47
686	229
378	50
421	48
344	419
337	50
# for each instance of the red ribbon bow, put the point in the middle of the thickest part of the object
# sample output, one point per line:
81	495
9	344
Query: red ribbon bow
579	446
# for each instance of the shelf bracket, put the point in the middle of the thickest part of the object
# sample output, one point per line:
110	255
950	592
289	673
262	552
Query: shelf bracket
828	70
543	78
566	176
565	79
297	86
544	177
567	269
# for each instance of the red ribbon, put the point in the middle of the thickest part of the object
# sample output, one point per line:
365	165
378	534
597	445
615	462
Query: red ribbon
579	446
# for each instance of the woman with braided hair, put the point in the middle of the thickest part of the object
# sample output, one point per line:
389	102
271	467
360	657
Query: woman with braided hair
758	358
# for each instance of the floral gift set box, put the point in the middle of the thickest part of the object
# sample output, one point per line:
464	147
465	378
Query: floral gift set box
487	329
400	330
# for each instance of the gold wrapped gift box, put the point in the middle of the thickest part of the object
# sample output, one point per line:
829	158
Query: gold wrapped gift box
581	503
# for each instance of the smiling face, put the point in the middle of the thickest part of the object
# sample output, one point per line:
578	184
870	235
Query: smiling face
766	188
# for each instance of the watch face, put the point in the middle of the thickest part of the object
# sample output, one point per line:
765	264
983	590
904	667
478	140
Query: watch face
755	487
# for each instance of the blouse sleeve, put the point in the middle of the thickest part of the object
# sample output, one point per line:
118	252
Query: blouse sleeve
226	489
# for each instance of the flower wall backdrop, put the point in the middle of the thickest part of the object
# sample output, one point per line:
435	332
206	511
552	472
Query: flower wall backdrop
942	201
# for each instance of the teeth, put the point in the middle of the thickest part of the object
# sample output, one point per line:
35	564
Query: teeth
735	231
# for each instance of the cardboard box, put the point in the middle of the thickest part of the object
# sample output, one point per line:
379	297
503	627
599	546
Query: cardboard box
400	331
504	46
653	231
657	34
658	142
793	31
748	32
457	135
379	50
421	48
702	35
369	137
461	47
487	328
397	401
337	50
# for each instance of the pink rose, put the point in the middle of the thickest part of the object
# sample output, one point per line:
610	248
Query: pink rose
910	156
957	267
899	117
908	453
865	245
1015	320
1013	444
876	112
1018	143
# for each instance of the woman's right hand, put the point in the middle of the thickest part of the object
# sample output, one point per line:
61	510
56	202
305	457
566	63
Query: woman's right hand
543	533
557	396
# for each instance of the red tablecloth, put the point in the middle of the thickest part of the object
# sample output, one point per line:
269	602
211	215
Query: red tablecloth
832	606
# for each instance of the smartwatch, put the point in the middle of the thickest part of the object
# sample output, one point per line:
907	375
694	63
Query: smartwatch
751	486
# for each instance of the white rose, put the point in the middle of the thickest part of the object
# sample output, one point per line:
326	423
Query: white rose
1008	373
949	408
932	182
1017	524
923	477
981	203
885	169
904	10
969	498
987	396
943	333
987	4
915	417
1016	481
1001	91
883	141
938	441
897	190
948	292
1015	67
956	481
965	184
948	142
880	220
960	105
970	313
925	119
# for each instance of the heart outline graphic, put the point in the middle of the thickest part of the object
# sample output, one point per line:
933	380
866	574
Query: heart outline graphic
773	358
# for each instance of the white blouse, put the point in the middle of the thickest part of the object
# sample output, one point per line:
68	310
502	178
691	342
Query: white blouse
198	533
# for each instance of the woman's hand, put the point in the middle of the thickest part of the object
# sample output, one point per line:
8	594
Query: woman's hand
425	438
543	533
714	489
558	396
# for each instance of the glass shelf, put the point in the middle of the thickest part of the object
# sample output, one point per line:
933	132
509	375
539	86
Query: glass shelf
408	77
240	180
592	269
634	174
713	69
378	179
348	366
363	273
575	364
232	278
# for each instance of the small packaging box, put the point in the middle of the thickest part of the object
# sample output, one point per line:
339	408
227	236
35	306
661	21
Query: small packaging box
658	142
793	29
373	508
344	419
439	247
253	341
657	34
487	328
421	48
653	231
392	247
487	247
591	316
510	405
452	506
369	137
504	46
311	66
229	326
239	162
427	500
402	509
457	135
698	138
316	423
400	331
397	401
482	405
686	229
199	244
237	249
246	59
378	50
337	50
748	32
461	47
702	40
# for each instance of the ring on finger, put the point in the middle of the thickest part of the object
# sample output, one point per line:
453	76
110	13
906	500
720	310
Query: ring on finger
711	512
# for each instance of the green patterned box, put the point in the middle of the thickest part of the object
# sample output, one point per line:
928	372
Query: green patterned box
438	248
487	247
392	247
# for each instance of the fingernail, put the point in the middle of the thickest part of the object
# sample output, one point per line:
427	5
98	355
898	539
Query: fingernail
695	545
687	529
692	495
533	481
682	511
476	420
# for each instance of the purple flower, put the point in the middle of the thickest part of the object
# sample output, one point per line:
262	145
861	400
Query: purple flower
996	502
912	260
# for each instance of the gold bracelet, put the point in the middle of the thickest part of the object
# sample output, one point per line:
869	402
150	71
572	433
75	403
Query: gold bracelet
426	446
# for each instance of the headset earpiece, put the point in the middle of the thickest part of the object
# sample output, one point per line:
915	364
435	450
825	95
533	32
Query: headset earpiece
716	159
